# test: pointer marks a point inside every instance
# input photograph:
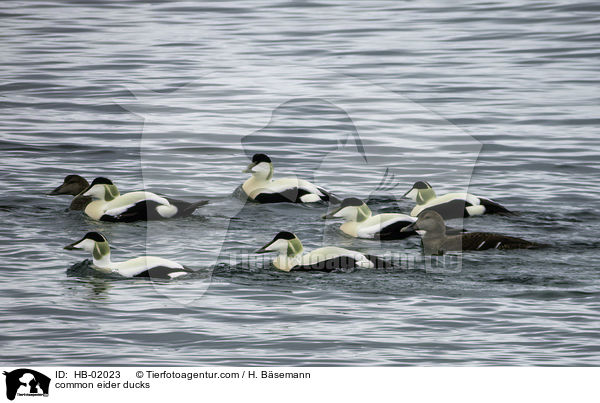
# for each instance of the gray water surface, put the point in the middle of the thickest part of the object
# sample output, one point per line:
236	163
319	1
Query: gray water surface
174	97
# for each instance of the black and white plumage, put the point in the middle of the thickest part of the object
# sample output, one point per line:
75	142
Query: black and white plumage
144	266
430	225
262	188
360	223
109	205
292	257
451	205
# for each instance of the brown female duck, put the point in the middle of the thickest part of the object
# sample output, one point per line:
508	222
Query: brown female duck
430	225
74	185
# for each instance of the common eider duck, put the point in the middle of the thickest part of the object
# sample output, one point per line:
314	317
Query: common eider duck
430	225
292	257
262	188
451	205
360	223
144	266
74	185
109	205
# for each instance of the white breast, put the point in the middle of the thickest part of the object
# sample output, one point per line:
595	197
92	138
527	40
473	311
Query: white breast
95	209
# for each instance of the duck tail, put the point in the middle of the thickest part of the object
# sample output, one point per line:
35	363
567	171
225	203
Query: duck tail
523	244
329	197
491	207
190	208
536	245
184	208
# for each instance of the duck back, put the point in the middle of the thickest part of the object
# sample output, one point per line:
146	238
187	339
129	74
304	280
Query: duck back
485	240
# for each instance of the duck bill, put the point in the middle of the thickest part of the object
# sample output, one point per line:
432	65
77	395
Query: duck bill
57	191
264	248
410	227
85	192
248	169
72	246
331	215
407	193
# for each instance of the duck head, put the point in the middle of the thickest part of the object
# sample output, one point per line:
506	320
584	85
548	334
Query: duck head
93	242
72	185
428	223
261	167
103	189
285	243
421	192
351	209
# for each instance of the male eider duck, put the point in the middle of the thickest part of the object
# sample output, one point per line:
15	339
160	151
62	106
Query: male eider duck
451	205
292	258
360	223
144	266
430	225
74	185
263	189
109	205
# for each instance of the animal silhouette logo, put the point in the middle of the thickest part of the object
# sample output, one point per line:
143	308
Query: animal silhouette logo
26	382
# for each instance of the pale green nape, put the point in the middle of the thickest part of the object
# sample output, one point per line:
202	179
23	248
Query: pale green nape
362	213
101	249
110	192
294	247
270	172
424	195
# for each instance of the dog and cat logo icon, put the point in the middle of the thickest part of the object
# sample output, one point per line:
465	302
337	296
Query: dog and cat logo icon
26	382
